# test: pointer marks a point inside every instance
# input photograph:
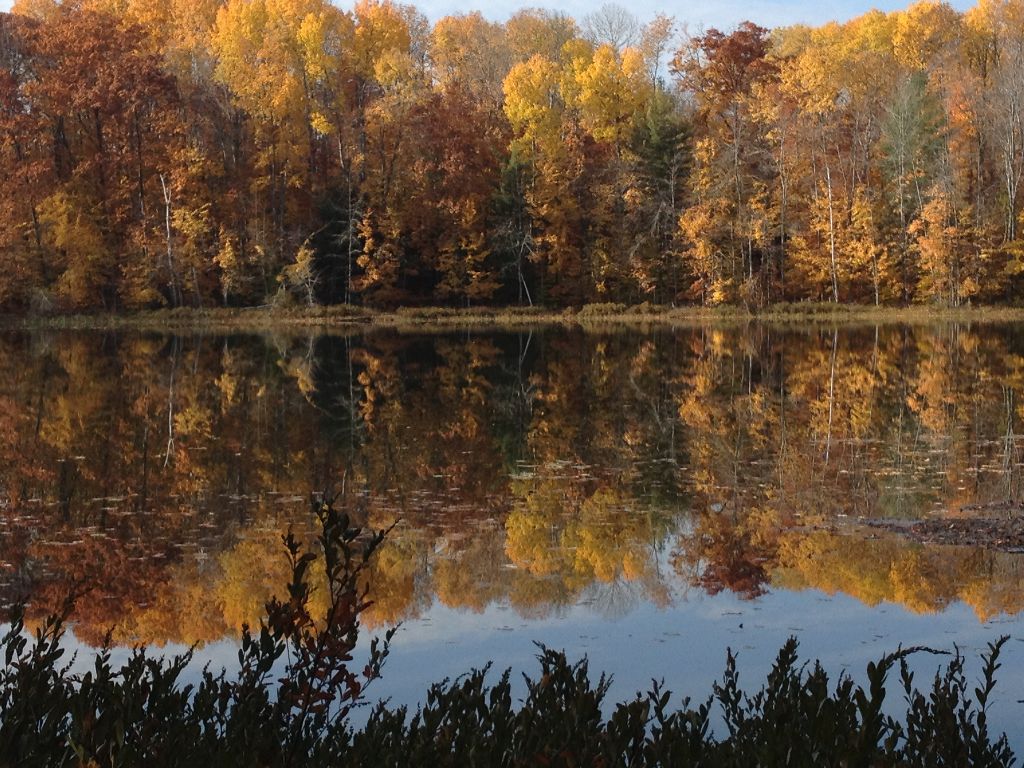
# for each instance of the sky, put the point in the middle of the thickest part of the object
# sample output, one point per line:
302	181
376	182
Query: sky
695	14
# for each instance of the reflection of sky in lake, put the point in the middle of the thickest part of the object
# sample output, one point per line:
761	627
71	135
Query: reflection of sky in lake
685	645
584	490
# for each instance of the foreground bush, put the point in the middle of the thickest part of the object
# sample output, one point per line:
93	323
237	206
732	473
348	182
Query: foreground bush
289	702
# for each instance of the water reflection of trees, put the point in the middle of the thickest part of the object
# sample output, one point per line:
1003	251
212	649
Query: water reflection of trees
888	569
540	470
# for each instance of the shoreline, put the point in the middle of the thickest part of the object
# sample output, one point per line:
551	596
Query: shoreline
591	316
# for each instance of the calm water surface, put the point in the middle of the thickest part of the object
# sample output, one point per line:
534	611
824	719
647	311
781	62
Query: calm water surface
645	498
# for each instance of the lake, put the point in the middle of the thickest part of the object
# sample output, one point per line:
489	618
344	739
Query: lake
644	497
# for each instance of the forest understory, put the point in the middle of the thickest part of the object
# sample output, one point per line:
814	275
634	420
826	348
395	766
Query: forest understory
327	319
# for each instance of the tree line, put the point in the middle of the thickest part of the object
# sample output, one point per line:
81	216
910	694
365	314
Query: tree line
245	152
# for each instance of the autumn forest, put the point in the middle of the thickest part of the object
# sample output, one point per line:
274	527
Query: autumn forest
198	153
